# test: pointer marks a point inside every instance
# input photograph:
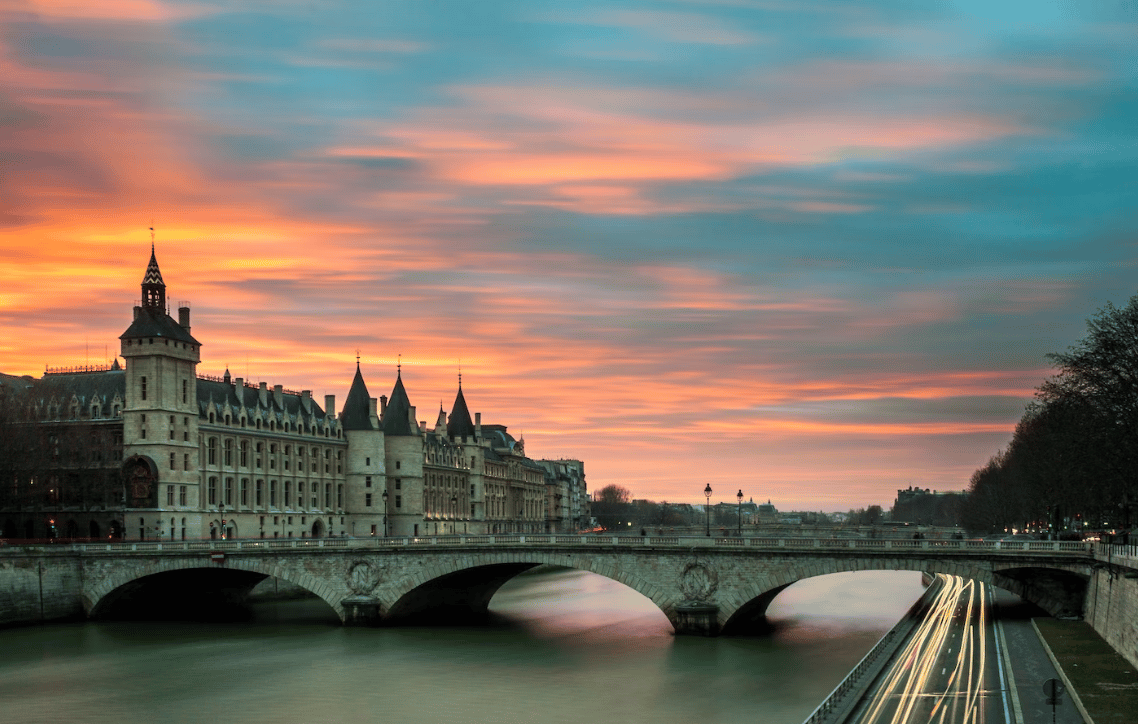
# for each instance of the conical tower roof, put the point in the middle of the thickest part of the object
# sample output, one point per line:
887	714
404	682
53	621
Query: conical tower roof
356	414
153	273
397	416
459	424
153	288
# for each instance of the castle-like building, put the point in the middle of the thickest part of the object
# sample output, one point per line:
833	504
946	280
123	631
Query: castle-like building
152	450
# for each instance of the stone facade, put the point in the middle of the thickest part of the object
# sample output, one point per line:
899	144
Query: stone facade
155	451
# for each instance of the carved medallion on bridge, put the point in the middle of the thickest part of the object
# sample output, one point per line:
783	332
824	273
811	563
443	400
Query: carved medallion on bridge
362	577
698	582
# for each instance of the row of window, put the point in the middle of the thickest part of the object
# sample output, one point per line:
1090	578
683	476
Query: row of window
287	462
142	389
304	495
300	428
368	501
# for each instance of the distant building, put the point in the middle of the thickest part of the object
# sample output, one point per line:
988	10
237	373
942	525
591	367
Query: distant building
567	497
153	450
926	507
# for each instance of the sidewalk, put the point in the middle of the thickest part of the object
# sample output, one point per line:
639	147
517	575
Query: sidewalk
1103	684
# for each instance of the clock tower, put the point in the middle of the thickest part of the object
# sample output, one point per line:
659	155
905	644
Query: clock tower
160	417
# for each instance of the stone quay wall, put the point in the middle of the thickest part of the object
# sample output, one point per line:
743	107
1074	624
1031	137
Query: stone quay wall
1112	599
39	587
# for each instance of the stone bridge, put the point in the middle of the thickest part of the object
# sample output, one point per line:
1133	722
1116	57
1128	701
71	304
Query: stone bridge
704	585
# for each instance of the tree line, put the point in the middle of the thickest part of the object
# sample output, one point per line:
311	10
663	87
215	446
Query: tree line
1072	463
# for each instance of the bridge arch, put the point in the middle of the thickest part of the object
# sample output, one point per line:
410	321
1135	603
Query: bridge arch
99	597
1059	590
460	589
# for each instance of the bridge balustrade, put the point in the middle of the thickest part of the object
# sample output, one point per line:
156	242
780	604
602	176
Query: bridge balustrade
1121	554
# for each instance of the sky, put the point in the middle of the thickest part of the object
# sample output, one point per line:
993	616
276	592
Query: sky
810	251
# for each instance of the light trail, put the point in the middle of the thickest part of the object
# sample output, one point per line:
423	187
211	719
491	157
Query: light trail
928	681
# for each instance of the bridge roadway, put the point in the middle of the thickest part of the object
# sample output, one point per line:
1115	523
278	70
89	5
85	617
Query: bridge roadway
704	585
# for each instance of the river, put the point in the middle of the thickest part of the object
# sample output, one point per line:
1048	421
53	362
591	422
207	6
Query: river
565	647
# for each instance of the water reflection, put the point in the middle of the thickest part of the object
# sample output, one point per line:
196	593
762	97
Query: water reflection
563	646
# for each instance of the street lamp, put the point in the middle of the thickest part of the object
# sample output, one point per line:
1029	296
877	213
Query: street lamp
453	513
707	508
739	496
385	514
221	512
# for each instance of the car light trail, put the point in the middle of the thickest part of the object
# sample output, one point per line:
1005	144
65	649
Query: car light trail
932	680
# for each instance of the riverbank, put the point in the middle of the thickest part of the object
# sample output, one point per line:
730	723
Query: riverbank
1104	684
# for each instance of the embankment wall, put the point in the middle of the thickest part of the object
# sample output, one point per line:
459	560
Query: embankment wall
1112	602
40	587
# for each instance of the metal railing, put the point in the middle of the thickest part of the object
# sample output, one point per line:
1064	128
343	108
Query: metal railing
1125	555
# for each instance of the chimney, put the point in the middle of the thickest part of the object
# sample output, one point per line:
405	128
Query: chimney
374	414
137	311
278	396
239	388
263	394
330	405
184	316
383	404
477	425
411	417
306	400
423	426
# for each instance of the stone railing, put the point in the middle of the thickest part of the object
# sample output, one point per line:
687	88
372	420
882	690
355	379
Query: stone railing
861	677
1120	555
1124	555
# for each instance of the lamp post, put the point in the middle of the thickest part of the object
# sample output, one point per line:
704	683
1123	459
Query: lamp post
739	497
384	514
707	508
453	513
221	512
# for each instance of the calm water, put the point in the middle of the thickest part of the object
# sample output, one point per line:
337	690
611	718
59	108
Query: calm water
567	647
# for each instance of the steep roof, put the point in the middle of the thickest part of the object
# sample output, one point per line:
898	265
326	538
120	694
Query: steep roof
459	423
397	416
154	322
153	274
97	388
357	407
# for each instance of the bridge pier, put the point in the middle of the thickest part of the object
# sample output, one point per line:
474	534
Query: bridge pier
362	611
696	618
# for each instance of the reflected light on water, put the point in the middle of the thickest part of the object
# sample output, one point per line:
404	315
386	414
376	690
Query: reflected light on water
564	647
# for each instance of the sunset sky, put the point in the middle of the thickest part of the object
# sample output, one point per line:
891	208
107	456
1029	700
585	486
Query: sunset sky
816	251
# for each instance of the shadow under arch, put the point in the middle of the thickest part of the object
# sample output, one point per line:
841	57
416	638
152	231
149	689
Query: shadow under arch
1056	591
461	596
458	598
192	592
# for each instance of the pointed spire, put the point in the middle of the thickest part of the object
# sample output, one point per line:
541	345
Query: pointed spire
356	414
460	424
153	288
396	418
